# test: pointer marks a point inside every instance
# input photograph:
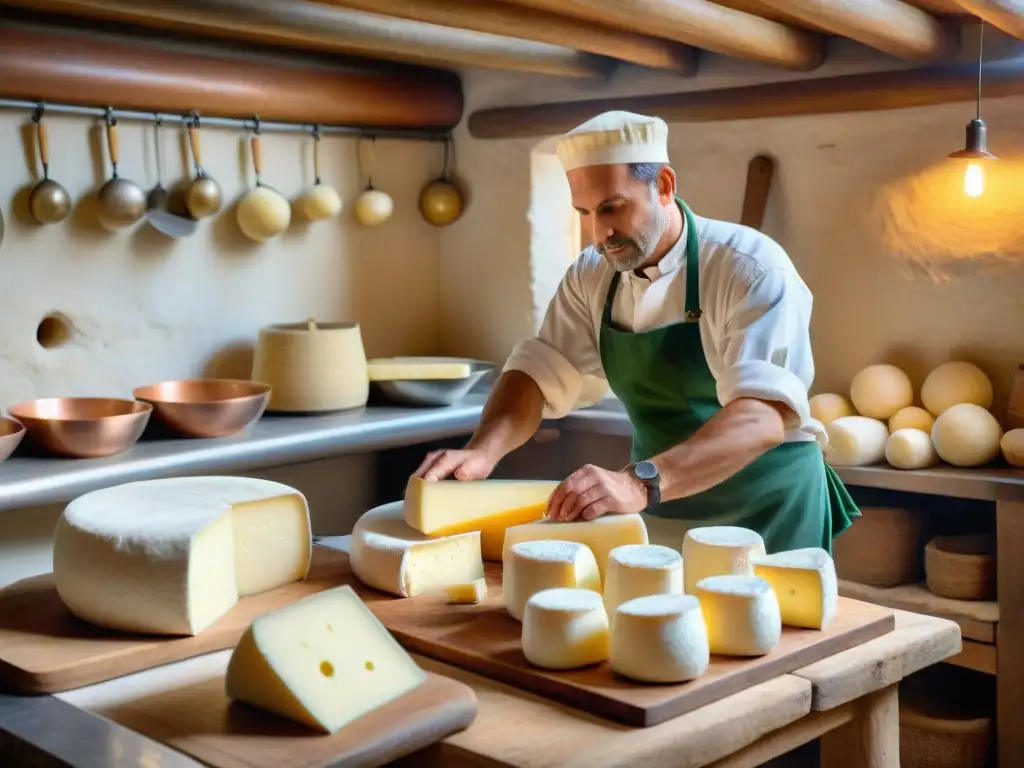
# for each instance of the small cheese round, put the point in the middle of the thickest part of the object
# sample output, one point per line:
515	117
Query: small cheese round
716	550
1012	445
954	383
742	614
910	449
966	435
635	570
533	566
828	407
911	417
879	391
660	639
565	628
805	585
855	441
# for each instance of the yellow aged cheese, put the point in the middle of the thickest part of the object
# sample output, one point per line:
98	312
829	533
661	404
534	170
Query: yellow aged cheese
805	585
565	628
467	592
742	615
718	550
449	507
416	368
324	661
533	566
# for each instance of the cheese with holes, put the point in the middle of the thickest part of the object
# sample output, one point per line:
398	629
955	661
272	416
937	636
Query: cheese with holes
172	556
565	629
388	555
636	570
448	507
742	615
324	661
601	535
468	592
660	639
718	550
416	368
805	585
532	566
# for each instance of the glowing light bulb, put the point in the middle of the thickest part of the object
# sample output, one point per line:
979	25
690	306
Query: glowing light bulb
974	179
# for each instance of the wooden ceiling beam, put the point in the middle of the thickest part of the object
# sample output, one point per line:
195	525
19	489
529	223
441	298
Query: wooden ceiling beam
702	24
892	26
297	24
1007	15
531	24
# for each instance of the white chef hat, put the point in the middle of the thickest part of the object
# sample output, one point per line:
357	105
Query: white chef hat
612	138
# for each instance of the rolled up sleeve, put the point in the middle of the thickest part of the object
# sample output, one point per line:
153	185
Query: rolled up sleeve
767	350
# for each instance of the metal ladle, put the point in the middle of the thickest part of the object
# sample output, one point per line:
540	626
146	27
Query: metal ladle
121	202
48	202
204	197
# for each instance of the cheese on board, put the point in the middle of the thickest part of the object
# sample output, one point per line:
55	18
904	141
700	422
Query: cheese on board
388	555
448	507
172	556
533	566
601	535
742	615
467	592
324	661
565	628
718	550
636	570
660	639
805	585
416	368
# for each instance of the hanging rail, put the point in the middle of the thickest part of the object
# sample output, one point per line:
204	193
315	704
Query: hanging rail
414	134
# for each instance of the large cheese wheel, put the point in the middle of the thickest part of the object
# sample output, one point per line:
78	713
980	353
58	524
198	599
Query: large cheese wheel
827	407
855	441
879	391
910	449
966	435
911	417
954	383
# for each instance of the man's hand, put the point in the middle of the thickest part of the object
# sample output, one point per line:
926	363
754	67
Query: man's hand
468	464
590	492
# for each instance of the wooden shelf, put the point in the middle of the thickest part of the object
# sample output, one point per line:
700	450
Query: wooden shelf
1003	483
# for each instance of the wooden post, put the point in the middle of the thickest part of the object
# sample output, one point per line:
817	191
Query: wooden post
1010	633
871	739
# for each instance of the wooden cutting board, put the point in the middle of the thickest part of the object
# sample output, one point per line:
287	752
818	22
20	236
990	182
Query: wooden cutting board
484	639
45	649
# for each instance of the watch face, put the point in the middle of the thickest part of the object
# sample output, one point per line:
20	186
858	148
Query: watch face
645	470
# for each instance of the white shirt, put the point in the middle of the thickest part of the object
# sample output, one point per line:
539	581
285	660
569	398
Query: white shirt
754	326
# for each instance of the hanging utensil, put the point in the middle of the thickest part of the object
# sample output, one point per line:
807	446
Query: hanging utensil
263	213
157	197
156	214
373	206
442	201
203	197
48	202
320	202
121	202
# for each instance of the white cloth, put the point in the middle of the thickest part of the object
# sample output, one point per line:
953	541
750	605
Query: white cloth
754	326
612	138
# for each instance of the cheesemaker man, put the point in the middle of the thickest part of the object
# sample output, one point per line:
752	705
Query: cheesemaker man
701	328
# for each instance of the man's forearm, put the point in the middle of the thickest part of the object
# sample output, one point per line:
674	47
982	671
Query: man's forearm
511	417
730	440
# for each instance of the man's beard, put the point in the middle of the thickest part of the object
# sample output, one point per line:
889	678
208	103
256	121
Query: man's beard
635	253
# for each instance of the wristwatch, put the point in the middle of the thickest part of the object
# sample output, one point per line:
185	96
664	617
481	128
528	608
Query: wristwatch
647	473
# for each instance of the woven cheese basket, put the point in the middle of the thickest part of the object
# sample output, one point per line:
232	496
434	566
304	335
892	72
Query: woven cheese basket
882	548
945	719
961	567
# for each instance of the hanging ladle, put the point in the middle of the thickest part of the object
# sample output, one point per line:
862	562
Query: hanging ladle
442	201
203	197
121	202
156	213
48	202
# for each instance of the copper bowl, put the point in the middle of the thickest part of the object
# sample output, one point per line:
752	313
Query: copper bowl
83	427
11	434
206	407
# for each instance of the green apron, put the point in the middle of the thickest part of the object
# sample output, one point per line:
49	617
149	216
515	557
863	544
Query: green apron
789	494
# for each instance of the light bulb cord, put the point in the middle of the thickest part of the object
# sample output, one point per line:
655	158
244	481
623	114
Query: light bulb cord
981	57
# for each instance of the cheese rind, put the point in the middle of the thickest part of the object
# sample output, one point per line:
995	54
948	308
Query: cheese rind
804	581
660	639
467	593
172	556
716	551
565	629
533	566
324	661
742	615
636	570
601	535
449	507
388	555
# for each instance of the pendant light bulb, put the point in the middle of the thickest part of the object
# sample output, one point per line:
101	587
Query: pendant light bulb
974	179
975	150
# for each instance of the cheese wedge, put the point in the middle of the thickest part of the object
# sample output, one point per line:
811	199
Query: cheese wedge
565	629
716	551
416	368
741	613
448	507
533	566
467	593
324	661
805	584
388	555
637	570
660	639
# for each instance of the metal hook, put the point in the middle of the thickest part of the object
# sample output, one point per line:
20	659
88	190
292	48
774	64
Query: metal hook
316	132
159	120
195	118
256	124
111	120
37	116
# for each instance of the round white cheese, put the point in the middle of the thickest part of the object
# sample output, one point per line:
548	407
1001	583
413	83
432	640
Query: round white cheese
911	417
910	449
717	550
635	570
954	383
533	566
172	556
827	407
565	628
879	391
660	639
966	435
387	554
742	615
855	441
